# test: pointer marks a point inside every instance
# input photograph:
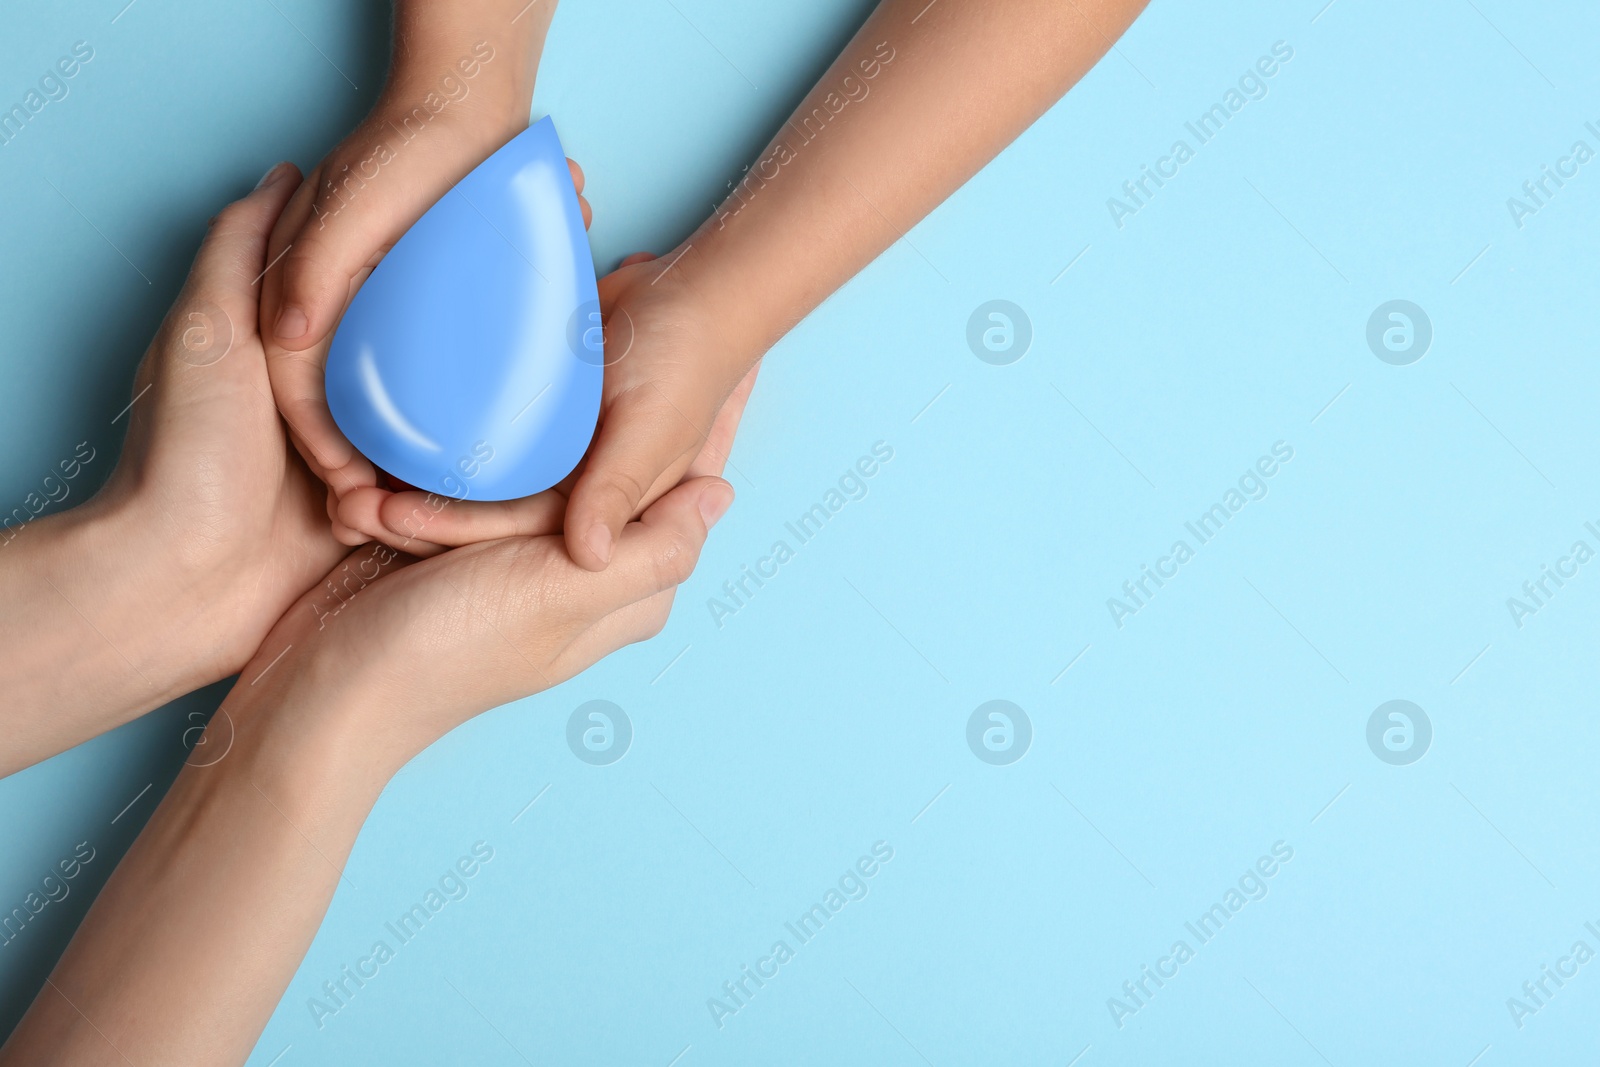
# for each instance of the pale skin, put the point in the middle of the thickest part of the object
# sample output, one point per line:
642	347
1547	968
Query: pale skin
207	531
462	77
966	78
266	830
359	673
424	646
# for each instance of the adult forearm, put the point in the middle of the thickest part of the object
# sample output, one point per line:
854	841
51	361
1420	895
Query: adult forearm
923	97
223	891
189	947
98	628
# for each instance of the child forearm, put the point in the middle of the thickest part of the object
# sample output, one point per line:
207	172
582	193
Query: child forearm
431	35
923	97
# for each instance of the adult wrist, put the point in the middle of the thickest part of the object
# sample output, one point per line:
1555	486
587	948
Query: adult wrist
321	700
97	632
170	600
301	743
143	591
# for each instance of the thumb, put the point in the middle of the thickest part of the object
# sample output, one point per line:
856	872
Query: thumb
320	261
229	264
659	552
644	445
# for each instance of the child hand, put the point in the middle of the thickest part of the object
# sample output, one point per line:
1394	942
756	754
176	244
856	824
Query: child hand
350	211
674	367
669	372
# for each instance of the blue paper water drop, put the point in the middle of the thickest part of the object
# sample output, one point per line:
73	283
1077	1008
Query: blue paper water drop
469	363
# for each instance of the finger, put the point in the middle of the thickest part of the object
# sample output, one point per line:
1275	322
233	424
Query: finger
643	436
325	245
360	510
297	376
665	543
453	523
233	254
356	471
345	535
577	183
282	240
321	261
656	553
435	522
659	551
719	442
639	621
300	392
612	284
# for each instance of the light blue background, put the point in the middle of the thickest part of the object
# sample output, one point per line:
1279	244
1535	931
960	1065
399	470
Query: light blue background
772	752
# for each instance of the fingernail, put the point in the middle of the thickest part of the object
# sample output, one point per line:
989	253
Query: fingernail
291	324
599	541
272	174
714	503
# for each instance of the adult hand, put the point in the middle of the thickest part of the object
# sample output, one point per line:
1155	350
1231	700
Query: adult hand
413	649
347	688
206	462
207	530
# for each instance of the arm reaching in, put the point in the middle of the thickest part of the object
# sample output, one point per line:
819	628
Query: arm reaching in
367	682
921	98
460	85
